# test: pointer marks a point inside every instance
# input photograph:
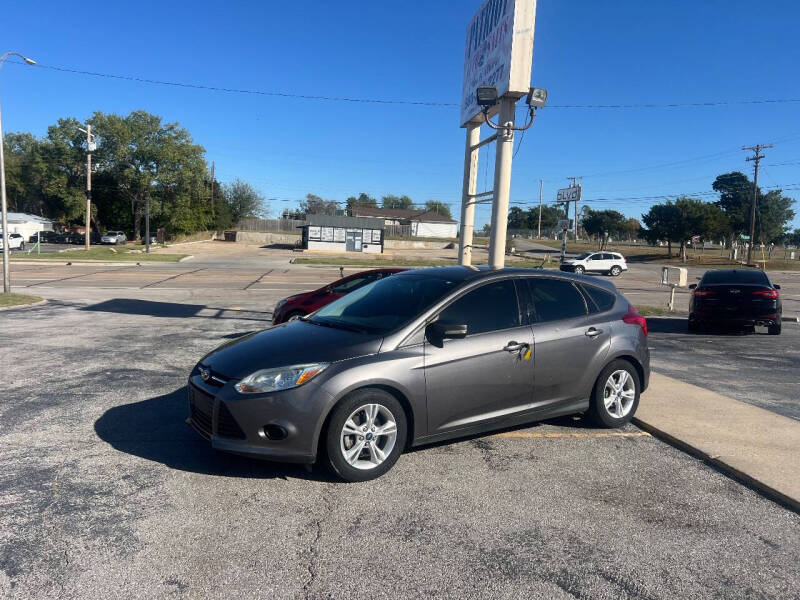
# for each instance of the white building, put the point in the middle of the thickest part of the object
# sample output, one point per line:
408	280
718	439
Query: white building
27	224
426	223
343	234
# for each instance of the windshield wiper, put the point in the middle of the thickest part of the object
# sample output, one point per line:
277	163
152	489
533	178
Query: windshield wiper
339	325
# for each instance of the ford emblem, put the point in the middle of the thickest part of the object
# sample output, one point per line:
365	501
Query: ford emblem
205	374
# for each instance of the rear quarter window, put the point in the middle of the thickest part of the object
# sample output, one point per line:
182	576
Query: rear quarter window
599	300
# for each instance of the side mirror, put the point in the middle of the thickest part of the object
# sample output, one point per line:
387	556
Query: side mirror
776	286
438	332
692	286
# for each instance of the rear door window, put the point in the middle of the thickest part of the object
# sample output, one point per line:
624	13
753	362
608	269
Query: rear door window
556	299
491	307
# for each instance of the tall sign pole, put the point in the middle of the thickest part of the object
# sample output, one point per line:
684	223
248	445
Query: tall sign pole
499	55
756	158
539	234
468	194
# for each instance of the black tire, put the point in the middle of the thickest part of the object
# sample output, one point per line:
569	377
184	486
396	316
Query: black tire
615	271
774	329
295	314
22	247
692	326
580	270
334	458
597	409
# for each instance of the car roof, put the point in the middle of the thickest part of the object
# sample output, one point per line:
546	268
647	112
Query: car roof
466	274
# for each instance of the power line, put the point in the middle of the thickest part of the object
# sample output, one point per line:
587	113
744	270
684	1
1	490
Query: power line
284	94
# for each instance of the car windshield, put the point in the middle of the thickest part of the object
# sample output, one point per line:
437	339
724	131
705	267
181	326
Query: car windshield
384	306
582	256
735	276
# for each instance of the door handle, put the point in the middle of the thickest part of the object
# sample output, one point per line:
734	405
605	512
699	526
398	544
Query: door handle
592	332
513	346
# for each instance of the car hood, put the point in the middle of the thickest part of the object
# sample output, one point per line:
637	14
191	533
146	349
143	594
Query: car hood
296	342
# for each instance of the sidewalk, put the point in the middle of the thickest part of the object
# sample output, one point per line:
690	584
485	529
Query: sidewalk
754	445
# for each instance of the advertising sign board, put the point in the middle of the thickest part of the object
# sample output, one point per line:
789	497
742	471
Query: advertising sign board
498	52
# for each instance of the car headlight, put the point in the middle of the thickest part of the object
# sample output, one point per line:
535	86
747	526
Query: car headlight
282	378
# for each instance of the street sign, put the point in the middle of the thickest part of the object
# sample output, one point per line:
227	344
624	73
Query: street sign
564	224
570	194
498	52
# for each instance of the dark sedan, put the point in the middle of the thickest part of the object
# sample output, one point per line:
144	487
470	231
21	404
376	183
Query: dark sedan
420	357
735	297
300	305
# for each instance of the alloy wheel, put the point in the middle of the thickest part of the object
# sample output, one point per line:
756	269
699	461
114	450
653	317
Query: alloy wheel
619	393
368	436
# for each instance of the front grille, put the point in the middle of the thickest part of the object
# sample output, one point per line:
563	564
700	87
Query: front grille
227	425
201	407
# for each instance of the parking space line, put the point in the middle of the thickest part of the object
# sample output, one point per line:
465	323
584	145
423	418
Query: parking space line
581	435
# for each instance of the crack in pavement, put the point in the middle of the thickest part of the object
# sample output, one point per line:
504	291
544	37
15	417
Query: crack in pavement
155	283
252	283
313	549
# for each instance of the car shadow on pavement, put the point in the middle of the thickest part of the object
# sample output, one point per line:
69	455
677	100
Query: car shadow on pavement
176	310
679	325
155	429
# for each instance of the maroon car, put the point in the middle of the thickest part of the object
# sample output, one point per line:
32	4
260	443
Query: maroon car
303	304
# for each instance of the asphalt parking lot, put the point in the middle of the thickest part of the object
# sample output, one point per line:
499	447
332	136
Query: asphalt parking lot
107	493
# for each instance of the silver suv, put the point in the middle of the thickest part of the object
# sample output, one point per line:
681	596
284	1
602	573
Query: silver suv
419	357
114	237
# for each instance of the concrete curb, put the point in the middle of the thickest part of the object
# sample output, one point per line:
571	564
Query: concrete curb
185	258
714	461
18	306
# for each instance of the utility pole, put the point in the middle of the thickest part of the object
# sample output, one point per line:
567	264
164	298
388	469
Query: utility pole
756	158
212	189
539	235
91	146
575	183
147	223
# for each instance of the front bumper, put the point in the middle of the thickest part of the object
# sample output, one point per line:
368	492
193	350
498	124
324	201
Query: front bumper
239	424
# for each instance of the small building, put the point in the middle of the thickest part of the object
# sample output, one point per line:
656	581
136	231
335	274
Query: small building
343	234
425	223
26	224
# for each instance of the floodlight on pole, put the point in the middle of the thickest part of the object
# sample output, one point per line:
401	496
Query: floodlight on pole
487	98
4	221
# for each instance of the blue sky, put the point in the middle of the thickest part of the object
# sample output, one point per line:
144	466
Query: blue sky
586	52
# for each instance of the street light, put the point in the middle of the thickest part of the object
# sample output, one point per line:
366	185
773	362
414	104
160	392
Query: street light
6	276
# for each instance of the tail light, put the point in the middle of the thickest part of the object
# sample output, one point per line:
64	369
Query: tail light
769	294
632	317
703	293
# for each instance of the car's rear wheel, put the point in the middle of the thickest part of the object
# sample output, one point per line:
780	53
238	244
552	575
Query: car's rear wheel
580	270
774	329
616	394
365	435
615	271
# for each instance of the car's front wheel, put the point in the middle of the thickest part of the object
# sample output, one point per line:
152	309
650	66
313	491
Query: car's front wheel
365	435
616	394
580	270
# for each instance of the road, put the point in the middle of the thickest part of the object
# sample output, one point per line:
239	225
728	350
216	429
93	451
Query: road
107	493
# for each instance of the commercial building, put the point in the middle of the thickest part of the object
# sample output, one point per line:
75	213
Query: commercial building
426	223
343	234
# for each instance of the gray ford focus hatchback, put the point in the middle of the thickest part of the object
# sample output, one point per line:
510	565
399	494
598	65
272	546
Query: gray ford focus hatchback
420	357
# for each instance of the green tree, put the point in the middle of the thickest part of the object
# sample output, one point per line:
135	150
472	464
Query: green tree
679	221
315	205
244	201
603	224
155	163
439	208
403	202
773	214
361	200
